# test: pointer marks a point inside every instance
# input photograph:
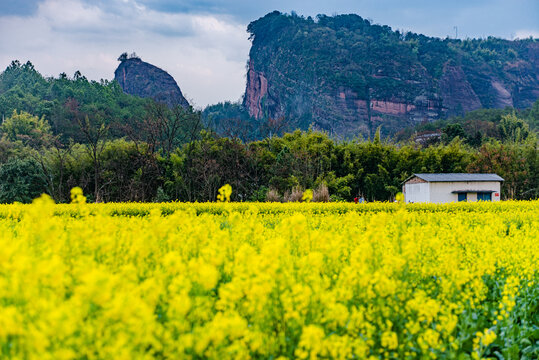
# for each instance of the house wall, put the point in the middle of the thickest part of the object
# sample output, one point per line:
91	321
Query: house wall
441	192
416	192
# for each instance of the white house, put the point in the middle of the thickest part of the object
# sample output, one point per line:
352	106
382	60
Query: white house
444	188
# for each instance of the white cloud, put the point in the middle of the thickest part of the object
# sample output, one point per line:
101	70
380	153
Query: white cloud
70	15
523	34
206	54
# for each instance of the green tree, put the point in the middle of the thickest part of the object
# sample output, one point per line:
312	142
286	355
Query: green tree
513	129
533	116
12	150
516	163
21	180
31	130
451	131
164	129
95	135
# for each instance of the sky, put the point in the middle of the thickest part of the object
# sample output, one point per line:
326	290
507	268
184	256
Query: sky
204	45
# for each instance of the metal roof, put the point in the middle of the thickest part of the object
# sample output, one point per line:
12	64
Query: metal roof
452	177
472	191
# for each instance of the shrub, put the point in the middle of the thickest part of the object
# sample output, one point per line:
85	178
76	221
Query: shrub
321	193
273	196
295	196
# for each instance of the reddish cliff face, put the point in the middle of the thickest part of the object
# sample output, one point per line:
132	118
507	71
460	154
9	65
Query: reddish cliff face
391	108
526	75
352	114
257	89
361	117
457	93
355	115
503	95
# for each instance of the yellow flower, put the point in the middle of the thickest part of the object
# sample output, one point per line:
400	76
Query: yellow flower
390	340
224	193
307	195
77	196
488	338
260	280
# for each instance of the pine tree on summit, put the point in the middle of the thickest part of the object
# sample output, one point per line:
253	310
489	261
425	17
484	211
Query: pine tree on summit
122	57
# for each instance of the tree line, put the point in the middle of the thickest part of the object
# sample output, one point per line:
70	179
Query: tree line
176	159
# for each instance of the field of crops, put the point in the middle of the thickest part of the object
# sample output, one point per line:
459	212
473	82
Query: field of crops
269	281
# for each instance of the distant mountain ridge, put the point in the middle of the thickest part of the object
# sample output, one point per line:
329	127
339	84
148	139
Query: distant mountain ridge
145	80
339	74
344	75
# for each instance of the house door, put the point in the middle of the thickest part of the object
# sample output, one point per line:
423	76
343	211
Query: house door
462	196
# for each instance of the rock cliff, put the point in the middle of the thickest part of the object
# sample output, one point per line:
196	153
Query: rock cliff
346	76
139	78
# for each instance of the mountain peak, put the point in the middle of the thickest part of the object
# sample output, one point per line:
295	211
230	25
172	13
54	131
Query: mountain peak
344	75
145	80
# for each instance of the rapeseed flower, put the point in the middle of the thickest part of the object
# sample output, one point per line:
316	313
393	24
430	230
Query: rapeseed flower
239	281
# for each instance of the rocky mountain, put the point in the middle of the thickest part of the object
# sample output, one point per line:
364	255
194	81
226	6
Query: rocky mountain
347	76
142	79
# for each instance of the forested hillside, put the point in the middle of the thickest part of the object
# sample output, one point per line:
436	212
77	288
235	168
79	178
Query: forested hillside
60	100
477	127
344	75
58	133
78	126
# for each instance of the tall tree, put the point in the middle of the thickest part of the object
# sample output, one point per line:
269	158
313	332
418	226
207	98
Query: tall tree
21	180
95	136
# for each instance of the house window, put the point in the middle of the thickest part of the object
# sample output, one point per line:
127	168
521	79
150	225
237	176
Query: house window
462	196
484	196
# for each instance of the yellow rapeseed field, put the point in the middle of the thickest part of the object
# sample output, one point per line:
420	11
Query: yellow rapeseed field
269	281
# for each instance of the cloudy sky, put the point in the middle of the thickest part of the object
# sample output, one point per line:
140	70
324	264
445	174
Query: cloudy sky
203	43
